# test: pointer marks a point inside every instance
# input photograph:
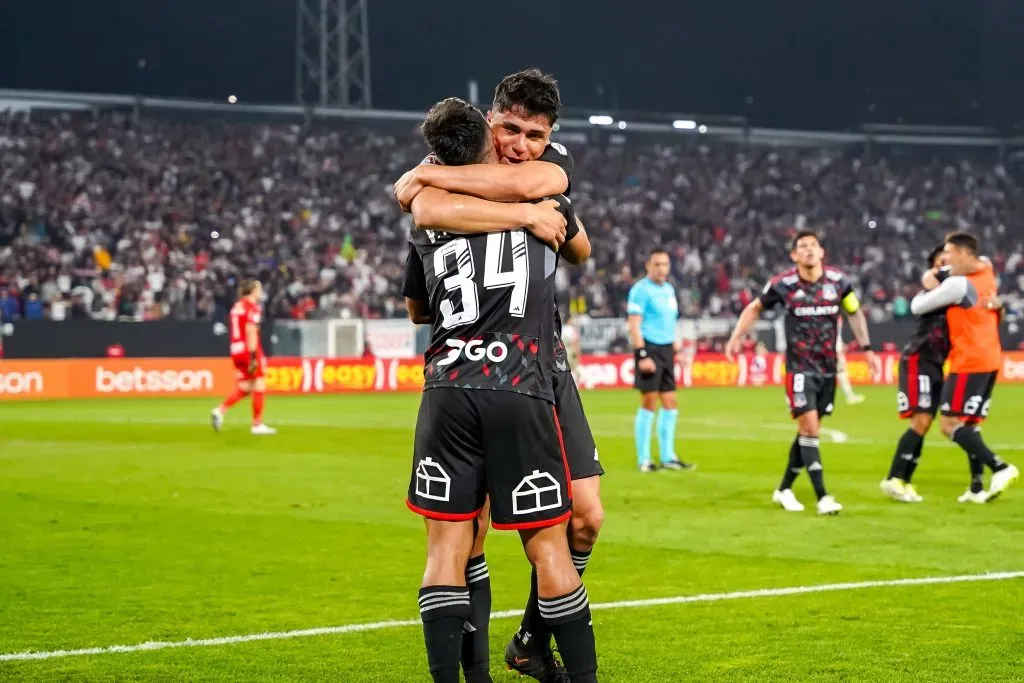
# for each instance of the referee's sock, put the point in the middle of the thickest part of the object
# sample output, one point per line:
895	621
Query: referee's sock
969	438
666	428
642	426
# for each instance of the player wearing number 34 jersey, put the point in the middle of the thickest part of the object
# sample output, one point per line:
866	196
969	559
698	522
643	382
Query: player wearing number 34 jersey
487	428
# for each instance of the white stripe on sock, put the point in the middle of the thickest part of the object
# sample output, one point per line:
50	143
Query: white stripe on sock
449	603
555	602
578	605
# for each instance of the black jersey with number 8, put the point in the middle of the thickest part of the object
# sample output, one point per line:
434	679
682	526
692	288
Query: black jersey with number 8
491	297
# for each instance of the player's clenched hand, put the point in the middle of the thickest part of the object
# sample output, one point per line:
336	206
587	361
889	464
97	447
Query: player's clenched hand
407	187
732	348
546	223
254	363
875	363
646	366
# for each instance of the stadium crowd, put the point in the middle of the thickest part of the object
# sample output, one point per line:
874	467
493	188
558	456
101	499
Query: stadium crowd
112	218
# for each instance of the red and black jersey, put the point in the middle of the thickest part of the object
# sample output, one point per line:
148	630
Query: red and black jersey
493	300
812	317
930	340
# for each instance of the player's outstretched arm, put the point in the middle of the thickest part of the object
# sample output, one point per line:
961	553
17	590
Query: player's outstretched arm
748	317
498	182
461	214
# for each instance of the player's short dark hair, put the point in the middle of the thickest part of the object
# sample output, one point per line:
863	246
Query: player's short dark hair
655	251
964	240
934	254
456	131
533	90
802	234
247	287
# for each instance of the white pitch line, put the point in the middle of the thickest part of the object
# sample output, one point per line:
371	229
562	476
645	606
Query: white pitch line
507	614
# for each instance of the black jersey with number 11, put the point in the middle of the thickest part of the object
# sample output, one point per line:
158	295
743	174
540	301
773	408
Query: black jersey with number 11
491	297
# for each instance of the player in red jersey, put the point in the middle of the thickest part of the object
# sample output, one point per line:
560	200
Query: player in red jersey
247	356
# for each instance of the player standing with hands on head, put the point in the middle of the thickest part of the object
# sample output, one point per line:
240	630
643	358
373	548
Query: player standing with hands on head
247	357
813	296
969	297
653	311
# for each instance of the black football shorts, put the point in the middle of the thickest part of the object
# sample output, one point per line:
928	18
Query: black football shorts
663	379
808	391
474	443
968	395
920	386
580	449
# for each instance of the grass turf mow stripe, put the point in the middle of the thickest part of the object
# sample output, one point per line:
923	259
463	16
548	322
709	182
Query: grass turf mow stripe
625	604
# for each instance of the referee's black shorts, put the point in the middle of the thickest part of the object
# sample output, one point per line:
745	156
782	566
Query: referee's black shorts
663	379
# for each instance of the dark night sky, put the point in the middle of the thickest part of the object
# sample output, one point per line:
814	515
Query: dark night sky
804	62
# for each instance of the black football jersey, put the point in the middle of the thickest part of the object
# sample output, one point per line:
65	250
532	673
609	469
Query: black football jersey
930	340
492	298
812	318
557	154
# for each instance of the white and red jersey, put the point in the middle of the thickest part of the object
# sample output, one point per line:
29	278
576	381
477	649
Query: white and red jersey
242	314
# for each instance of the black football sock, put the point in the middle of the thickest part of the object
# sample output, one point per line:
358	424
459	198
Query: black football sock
444	610
906	450
568	617
534	635
911	466
475	657
977	474
793	467
580	559
811	457
969	439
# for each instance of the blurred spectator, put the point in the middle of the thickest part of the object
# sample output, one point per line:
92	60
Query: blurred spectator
108	218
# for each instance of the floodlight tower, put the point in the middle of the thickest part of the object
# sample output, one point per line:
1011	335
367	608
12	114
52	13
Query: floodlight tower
332	54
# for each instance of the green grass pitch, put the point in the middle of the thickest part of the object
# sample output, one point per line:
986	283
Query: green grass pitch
123	522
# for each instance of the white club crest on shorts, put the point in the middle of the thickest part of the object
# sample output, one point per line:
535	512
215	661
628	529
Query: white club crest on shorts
799	401
537	492
432	481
